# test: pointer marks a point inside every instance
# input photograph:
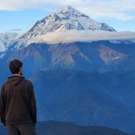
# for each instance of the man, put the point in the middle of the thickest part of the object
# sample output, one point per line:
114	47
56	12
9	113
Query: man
17	102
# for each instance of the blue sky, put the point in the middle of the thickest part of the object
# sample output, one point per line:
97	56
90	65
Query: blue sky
20	20
19	15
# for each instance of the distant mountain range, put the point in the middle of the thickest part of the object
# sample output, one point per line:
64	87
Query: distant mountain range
87	78
6	39
61	128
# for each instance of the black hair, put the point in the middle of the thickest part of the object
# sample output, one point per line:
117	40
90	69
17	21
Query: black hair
15	66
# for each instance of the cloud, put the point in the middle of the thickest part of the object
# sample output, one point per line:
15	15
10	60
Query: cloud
123	10
72	36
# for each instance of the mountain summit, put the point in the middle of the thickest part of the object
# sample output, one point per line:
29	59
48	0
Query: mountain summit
65	19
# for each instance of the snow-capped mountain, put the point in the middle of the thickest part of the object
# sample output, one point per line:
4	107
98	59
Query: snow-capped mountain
63	20
66	19
6	39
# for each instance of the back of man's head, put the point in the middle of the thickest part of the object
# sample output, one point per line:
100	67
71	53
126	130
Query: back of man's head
15	66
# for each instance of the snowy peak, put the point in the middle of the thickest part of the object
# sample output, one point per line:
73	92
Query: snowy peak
66	19
6	39
69	13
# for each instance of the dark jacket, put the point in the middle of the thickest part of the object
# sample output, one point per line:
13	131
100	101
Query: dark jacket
17	101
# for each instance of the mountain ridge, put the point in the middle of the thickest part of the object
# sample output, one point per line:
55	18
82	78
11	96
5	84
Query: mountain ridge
63	128
62	20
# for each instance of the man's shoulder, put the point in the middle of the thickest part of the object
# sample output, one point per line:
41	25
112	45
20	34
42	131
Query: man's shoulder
28	82
4	83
